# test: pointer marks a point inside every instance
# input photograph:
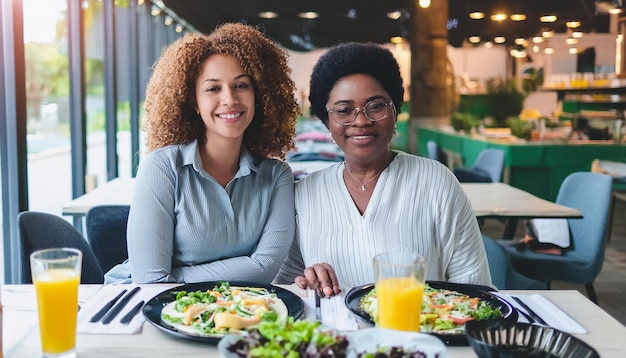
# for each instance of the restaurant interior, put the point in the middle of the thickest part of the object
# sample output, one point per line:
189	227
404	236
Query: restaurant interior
542	82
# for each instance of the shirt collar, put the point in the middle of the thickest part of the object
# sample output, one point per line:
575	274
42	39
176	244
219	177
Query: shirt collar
191	156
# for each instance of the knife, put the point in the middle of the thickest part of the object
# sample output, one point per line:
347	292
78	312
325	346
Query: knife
106	308
531	313
318	307
132	313
119	306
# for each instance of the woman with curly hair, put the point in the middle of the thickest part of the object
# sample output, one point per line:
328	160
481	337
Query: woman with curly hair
212	202
378	199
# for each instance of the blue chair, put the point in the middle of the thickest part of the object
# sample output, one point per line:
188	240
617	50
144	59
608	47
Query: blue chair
435	152
590	193
503	275
38	231
487	168
106	231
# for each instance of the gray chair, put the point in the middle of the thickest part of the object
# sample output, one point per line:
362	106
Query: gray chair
38	231
435	152
590	193
106	231
503	275
487	168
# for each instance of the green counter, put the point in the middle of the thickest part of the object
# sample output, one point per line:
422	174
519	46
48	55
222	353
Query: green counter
537	168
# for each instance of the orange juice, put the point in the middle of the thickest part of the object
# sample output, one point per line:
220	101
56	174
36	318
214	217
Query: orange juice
57	303
399	303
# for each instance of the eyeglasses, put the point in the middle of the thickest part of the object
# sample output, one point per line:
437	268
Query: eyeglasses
374	110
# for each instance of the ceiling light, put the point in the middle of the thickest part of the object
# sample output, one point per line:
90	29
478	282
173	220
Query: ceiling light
535	49
577	34
572	24
548	50
573	50
537	39
520	41
179	28
474	39
518	17
308	15
424	3
499	39
518	52
476	15
547	34
571	41
397	40
548	18
268	14
140	2
168	20
155	11
394	15
615	11
498	17
488	44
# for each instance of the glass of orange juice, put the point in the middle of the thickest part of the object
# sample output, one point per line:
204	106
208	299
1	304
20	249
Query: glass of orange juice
399	289
56	275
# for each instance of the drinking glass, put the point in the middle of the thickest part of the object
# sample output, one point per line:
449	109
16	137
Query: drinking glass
399	289
56	275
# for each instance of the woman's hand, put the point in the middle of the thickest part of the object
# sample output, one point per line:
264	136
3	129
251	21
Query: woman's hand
320	277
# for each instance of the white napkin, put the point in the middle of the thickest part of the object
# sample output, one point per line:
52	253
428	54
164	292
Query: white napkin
544	308
104	295
335	313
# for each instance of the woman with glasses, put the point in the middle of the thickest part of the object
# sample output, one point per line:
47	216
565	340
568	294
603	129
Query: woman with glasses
211	201
378	199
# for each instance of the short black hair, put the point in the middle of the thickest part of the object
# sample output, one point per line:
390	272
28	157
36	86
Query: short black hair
352	58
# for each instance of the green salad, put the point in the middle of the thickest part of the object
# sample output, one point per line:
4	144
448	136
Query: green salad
290	339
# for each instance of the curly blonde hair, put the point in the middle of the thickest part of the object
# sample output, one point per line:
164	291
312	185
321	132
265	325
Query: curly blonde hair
170	103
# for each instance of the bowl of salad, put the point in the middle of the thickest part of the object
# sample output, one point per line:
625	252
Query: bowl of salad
299	338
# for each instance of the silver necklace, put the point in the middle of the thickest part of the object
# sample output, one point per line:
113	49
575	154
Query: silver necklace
363	185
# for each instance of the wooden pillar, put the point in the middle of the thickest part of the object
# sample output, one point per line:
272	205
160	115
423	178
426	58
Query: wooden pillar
429	60
430	94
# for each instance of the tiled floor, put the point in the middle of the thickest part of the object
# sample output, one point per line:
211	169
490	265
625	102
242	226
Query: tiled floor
610	284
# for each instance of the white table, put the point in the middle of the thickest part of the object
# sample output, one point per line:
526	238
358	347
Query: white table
489	200
605	333
118	191
502	201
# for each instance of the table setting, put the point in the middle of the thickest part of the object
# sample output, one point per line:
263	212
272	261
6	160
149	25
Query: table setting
141	320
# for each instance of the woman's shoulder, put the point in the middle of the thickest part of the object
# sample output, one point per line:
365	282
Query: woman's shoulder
320	177
413	162
272	166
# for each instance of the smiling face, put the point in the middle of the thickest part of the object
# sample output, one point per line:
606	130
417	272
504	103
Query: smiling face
362	141
225	97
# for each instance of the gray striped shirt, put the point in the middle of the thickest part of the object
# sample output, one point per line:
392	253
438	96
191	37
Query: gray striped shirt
184	226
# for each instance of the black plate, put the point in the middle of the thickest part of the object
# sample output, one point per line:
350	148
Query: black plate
152	309
353	297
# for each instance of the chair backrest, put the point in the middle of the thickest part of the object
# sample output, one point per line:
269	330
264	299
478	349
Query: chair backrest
38	231
491	160
435	152
503	275
590	193
106	231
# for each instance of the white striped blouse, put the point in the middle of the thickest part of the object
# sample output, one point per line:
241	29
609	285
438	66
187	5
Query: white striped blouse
417	205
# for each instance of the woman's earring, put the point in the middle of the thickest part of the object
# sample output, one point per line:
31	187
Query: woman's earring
332	140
